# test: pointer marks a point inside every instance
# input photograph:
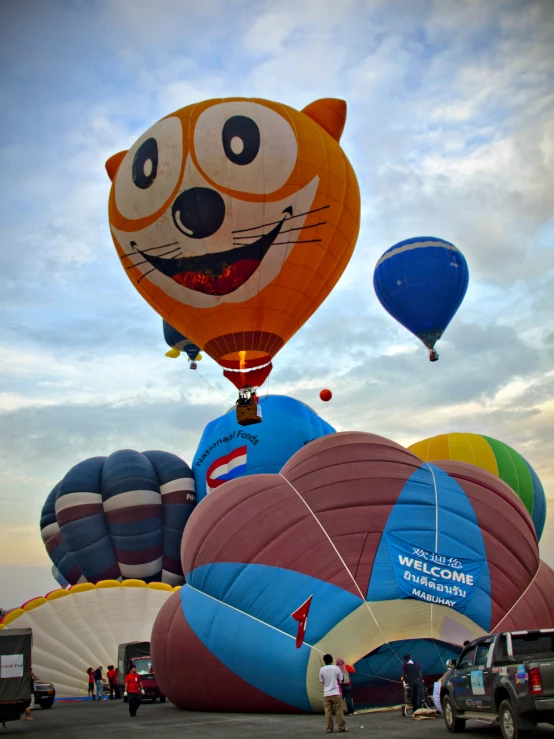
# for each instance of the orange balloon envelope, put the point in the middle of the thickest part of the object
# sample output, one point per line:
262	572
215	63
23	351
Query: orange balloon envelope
234	219
325	395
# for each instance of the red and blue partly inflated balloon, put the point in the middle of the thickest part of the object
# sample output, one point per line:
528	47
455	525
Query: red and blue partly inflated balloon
384	546
120	517
422	282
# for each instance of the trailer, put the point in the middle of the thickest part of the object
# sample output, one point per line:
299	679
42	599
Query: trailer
15	673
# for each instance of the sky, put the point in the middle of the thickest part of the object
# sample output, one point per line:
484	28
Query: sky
450	131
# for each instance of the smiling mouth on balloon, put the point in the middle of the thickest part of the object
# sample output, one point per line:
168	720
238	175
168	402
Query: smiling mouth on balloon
220	273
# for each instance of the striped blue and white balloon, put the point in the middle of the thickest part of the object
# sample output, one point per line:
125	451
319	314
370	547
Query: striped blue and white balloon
120	517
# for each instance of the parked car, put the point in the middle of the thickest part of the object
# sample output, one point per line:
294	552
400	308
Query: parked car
505	679
45	694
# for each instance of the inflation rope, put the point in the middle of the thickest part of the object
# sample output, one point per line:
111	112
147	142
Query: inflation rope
385	641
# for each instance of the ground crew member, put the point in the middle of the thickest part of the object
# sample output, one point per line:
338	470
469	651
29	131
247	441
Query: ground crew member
411	674
134	690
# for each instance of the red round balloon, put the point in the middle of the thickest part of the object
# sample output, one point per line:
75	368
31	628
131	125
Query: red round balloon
326	395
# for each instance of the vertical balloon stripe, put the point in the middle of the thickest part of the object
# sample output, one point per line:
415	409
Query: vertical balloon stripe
58	549
473	449
539	502
132	500
178	500
513	469
82	523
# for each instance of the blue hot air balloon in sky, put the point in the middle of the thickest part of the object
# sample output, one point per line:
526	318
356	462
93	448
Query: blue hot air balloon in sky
179	343
422	282
228	450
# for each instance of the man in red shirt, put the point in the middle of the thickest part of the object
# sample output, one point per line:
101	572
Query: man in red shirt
133	689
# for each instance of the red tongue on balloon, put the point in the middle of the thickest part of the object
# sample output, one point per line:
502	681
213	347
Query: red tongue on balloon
231	278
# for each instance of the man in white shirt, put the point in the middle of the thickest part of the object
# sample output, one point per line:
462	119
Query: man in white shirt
330	677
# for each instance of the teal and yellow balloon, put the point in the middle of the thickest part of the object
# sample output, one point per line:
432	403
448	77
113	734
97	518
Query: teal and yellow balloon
494	456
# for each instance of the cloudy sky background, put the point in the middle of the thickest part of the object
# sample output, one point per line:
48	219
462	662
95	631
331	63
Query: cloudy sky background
451	132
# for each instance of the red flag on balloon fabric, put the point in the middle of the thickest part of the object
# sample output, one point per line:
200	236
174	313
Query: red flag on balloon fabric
301	615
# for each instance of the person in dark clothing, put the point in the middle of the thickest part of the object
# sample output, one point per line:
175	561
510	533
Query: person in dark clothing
90	673
112	679
411	674
134	690
99	680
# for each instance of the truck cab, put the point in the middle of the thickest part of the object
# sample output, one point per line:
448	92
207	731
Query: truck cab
138	654
505	679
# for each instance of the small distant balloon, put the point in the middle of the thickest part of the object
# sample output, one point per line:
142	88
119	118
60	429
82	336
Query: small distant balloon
326	395
422	282
180	343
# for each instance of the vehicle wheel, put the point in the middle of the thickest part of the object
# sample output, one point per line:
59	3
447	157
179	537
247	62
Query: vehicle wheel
162	698
507	719
454	724
47	704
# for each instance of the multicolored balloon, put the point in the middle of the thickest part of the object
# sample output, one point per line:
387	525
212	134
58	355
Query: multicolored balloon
234	219
84	626
179	343
382	545
120	517
227	450
422	282
495	457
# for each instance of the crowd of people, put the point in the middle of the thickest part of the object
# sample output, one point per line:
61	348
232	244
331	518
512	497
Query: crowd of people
133	688
96	683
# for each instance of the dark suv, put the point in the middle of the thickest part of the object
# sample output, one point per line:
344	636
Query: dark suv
45	694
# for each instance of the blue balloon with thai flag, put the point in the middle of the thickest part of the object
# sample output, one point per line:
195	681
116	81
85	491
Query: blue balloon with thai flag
422	282
228	450
120	517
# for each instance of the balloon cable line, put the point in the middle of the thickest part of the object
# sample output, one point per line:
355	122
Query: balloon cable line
505	616
385	641
214	388
244	613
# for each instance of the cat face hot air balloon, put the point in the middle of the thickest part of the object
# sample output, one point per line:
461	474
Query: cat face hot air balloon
496	457
234	219
120	517
422	282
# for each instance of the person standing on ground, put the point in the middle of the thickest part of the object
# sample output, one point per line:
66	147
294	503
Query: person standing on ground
330	677
112	679
134	690
32	703
90	673
99	683
346	684
411	674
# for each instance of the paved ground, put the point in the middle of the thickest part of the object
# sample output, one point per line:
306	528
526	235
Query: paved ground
111	721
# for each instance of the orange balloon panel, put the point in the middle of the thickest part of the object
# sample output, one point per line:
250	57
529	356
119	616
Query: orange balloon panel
234	219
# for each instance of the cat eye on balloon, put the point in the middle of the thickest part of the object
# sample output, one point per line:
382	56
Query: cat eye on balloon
245	147
241	139
150	171
145	164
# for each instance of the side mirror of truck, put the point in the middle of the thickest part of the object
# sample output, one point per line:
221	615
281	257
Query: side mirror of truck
451	664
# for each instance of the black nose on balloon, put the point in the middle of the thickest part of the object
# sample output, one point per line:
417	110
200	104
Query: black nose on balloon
198	212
